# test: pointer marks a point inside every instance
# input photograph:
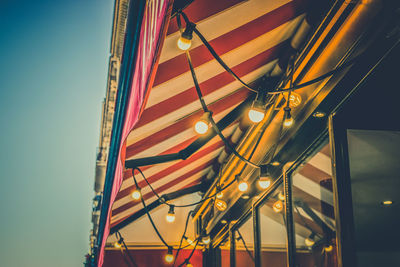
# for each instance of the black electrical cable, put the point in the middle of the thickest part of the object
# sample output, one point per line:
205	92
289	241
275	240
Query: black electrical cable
186	205
215	55
186	261
280	89
205	108
149	216
245	246
121	240
183	236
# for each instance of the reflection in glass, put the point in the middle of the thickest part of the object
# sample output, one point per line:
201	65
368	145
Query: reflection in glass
273	231
314	210
245	244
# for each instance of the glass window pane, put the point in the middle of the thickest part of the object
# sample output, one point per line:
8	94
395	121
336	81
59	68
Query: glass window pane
273	231
313	210
245	244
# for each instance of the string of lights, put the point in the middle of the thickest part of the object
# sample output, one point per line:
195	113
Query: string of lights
185	205
149	216
207	111
279	90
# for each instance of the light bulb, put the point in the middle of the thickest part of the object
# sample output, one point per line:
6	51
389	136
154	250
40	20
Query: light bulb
136	194
243	186
189	265
264	182
202	125
220	194
256	115
281	196
220	204
387	202
288	117
169	257
117	244
294	100
288	122
309	242
278	206
328	248
205	239
184	43
171	214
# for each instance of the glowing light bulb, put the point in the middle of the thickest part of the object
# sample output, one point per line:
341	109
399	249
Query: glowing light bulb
171	215
281	196
309	242
169	257
264	182
288	122
387	202
265	178
220	204
275	163
294	100
202	125
256	115
220	194
243	186
288	117
328	248
278	206
205	239
189	265
117	244
184	43
136	194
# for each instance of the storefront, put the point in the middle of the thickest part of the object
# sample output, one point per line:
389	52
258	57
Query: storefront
311	182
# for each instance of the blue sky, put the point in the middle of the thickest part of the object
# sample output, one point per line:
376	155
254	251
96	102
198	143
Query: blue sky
53	68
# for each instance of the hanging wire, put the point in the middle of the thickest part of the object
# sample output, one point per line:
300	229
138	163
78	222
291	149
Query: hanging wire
149	216
205	108
120	239
187	260
279	89
183	236
162	200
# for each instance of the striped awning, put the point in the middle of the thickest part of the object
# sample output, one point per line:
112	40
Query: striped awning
249	36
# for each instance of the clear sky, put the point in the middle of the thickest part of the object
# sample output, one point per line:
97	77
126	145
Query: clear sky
53	67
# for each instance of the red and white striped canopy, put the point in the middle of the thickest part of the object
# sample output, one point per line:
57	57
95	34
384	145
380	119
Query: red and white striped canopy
249	36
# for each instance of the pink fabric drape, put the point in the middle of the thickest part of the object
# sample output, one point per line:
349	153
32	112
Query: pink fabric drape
153	31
